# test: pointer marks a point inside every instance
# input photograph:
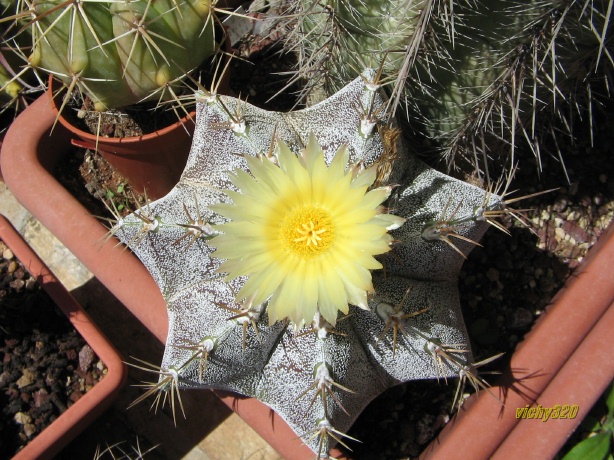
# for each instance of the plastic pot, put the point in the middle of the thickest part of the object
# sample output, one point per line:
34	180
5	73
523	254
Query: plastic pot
75	419
152	162
566	359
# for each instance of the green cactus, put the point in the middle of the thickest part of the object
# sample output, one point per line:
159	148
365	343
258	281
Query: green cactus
118	53
13	83
231	252
478	78
10	88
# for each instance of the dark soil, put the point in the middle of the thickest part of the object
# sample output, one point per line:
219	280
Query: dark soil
46	366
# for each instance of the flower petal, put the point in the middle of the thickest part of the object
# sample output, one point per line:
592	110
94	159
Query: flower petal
304	193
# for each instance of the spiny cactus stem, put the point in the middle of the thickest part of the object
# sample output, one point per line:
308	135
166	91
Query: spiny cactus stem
440	231
444	354
195	228
322	328
374	84
148	226
15	77
325	431
411	53
69	90
337	363
236	121
73	7
370	116
469	372
138	27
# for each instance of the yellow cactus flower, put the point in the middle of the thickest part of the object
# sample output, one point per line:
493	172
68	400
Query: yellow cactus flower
304	234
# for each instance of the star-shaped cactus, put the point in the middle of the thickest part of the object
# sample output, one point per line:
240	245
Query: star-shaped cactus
317	376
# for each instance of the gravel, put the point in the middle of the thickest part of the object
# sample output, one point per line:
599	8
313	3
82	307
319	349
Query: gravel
45	366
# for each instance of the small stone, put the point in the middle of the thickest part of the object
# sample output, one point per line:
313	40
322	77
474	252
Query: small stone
27	378
12	267
560	204
585	201
504	263
31	284
75	396
7	254
519	318
40	397
575	231
17	284
492	274
573	215
29	430
442	420
71	354
469	280
500	320
546	285
22	418
86	358
532	283
19	273
425	429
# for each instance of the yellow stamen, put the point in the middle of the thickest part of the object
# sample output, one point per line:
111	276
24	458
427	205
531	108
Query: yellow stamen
310	234
307	231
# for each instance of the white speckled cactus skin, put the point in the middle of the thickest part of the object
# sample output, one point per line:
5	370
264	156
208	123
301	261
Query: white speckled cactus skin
210	347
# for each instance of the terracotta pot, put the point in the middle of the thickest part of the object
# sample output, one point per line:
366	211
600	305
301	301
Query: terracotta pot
544	368
565	359
68	425
152	162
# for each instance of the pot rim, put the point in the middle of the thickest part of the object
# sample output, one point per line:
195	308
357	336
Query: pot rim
91	140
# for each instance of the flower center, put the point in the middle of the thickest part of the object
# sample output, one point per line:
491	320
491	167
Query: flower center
307	231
